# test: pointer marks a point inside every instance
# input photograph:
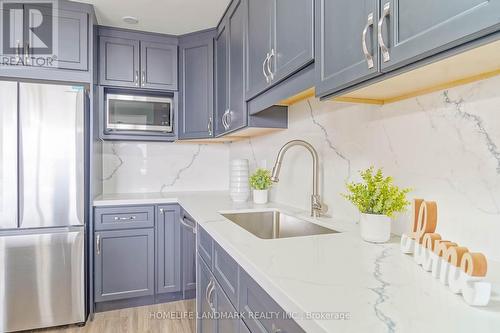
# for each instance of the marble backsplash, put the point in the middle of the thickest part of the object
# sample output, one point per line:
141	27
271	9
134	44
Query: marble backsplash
444	145
132	167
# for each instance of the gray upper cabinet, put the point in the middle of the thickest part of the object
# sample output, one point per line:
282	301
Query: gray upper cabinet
196	64
70	51
136	59
259	46
123	264
158	66
271	54
231	112
291	18
346	43
168	249
413	30
119	62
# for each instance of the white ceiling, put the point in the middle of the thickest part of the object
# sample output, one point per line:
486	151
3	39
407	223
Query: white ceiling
174	17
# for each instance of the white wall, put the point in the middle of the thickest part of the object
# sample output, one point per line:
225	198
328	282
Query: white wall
445	145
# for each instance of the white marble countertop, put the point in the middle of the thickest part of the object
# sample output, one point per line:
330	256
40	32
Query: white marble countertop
380	288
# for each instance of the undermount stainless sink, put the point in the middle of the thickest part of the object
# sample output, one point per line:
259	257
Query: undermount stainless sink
275	224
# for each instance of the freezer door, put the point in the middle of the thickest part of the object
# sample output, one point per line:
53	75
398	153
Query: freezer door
51	155
8	155
42	281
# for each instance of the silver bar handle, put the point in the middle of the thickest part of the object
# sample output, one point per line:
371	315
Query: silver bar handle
136	78
98	244
117	218
143	78
210	293
18	47
271	55
209	126
228	118
207	292
368	56
224	120
385	51
190	226
264	64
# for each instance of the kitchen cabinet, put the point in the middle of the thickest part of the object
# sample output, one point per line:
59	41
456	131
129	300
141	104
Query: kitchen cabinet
272	55
230	106
188	255
212	300
71	50
158	66
168	249
133	59
196	107
127	217
123	264
346	43
119	62
412	30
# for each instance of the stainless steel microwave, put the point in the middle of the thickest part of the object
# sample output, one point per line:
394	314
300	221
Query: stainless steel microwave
139	113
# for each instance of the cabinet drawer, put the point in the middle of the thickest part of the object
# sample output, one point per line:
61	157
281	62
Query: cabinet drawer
226	272
125	217
205	246
253	299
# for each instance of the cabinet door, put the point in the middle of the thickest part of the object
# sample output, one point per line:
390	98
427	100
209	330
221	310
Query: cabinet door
124	264
71	49
158	66
227	321
168	246
188	255
221	78
237	115
258	45
204	281
413	30
119	61
344	31
291	18
196	104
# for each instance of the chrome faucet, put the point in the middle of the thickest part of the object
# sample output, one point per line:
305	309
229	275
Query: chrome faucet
316	206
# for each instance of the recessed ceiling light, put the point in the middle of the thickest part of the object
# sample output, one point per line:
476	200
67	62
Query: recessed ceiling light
130	19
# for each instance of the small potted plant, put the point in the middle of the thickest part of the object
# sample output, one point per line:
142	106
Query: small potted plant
260	182
377	199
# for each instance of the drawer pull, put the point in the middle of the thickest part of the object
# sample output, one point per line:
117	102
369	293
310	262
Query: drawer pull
130	218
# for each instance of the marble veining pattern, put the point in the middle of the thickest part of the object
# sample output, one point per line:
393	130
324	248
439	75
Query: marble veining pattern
182	170
117	166
382	296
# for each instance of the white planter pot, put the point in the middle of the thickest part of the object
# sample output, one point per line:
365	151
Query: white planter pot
375	228
260	196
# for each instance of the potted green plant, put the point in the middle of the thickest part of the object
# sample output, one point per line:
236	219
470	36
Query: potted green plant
377	199
260	182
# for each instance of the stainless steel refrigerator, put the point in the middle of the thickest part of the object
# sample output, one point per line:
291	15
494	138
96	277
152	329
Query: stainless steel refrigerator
42	189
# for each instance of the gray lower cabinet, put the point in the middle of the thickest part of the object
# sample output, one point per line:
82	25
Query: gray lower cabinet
123	264
168	249
346	43
196	67
158	66
272	55
118	61
413	30
230	106
215	311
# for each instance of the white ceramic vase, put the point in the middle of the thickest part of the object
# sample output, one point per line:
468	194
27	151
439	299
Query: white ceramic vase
239	187
375	228
260	196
